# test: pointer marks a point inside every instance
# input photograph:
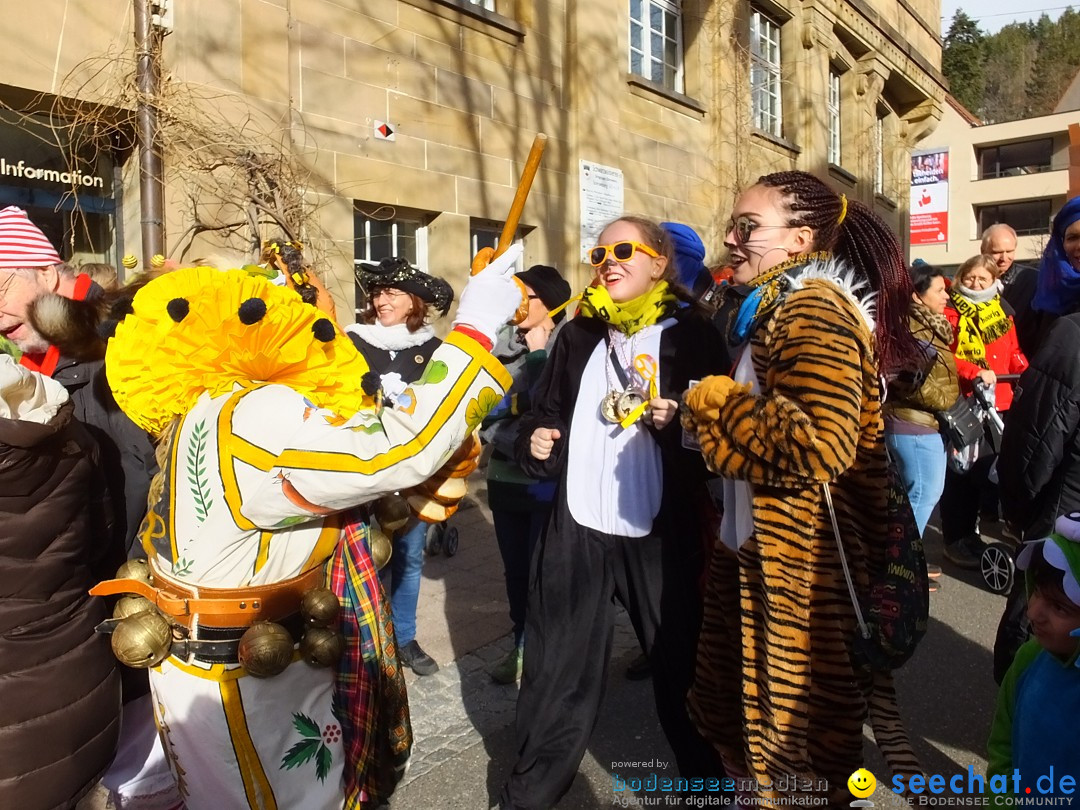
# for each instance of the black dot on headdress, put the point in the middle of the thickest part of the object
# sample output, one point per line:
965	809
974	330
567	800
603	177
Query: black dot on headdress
323	329
122	308
370	383
252	311
107	329
178	309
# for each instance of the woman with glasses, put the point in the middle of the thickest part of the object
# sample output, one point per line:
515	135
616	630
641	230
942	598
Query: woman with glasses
397	342
624	525
799	419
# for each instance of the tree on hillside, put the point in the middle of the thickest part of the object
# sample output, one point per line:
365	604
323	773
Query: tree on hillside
962	61
1009	58
1056	64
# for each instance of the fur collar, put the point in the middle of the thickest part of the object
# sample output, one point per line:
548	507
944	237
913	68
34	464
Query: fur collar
937	324
391	338
841	276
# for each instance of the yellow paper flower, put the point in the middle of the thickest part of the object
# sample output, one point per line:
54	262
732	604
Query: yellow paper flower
186	336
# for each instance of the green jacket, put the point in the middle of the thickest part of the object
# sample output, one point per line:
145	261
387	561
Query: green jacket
941	386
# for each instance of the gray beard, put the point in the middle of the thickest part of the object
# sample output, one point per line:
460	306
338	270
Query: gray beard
34	344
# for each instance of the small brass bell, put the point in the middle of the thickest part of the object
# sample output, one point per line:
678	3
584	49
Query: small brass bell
320	607
321	647
131	605
381	548
135	569
142	640
391	512
266	648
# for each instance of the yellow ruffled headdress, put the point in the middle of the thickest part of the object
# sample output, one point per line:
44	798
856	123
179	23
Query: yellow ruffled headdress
202	330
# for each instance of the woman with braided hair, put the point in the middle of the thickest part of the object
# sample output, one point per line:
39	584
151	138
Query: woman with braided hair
776	691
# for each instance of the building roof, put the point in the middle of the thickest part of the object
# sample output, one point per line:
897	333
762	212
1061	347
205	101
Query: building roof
964	112
1070	99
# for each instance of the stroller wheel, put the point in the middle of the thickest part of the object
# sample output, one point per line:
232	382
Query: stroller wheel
451	541
998	568
434	539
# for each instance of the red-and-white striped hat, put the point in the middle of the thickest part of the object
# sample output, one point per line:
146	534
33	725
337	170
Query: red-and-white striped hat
22	244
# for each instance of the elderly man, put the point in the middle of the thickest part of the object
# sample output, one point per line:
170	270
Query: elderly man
999	242
29	268
1017	283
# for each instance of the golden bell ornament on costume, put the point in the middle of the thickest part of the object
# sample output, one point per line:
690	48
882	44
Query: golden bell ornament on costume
131	606
321	647
142	640
320	607
135	569
266	648
381	548
391	512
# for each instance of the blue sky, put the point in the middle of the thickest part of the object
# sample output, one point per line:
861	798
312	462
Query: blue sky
994	14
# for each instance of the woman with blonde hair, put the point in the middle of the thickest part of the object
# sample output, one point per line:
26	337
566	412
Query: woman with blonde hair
986	346
625	524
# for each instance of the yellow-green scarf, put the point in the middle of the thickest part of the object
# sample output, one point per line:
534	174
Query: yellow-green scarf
630	316
980	323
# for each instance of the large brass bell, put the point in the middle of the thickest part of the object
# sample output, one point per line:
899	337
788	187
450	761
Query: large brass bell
266	648
391	512
135	569
131	605
320	607
321	647
142	640
381	548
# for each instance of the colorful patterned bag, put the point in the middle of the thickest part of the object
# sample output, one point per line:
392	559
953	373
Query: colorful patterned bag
893	618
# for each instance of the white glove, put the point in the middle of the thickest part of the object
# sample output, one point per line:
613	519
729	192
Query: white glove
492	296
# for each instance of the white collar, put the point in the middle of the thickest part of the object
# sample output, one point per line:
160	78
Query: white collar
391	338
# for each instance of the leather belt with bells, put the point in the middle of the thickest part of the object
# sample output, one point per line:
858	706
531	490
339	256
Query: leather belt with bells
218	607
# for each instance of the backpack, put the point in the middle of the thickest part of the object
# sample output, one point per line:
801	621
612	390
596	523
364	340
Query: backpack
893	617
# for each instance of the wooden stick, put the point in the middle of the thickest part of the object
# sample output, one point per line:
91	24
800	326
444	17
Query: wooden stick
532	163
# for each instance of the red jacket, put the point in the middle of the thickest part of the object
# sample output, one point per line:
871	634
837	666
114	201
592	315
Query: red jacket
1002	355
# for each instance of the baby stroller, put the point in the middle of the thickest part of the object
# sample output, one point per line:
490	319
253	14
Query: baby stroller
997	565
442	538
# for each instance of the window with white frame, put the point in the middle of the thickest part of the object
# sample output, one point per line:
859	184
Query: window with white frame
656	42
377	238
489	5
879	152
833	112
765	101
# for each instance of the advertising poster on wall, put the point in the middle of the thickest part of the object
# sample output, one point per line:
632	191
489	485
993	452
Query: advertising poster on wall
930	197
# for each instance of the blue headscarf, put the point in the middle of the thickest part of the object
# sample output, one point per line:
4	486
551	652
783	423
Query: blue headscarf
1058	289
689	255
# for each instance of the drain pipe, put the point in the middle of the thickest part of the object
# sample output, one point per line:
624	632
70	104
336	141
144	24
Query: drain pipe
151	186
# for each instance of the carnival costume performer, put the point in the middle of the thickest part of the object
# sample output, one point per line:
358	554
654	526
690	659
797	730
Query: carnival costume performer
268	435
801	412
397	342
624	524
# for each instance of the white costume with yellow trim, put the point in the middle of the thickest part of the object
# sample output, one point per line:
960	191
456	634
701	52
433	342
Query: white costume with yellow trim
255	472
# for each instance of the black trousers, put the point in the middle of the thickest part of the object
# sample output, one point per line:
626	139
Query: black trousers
963	497
576	575
517	534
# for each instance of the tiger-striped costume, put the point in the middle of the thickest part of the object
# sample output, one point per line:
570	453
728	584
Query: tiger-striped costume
781	610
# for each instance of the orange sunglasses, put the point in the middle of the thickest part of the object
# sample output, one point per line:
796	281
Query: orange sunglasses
622	251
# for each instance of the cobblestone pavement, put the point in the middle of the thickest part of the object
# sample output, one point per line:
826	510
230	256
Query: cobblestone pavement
460	705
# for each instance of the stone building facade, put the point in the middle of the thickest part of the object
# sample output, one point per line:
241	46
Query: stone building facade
410	120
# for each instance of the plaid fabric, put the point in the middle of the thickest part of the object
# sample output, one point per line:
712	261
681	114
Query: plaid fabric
370	697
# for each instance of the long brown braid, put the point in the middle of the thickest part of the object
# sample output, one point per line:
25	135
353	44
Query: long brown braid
863	240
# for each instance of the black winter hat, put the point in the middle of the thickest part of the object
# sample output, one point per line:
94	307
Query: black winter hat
549	284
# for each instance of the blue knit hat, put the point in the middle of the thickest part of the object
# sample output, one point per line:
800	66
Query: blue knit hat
689	254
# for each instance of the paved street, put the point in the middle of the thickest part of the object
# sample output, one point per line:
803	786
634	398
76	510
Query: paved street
463	721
